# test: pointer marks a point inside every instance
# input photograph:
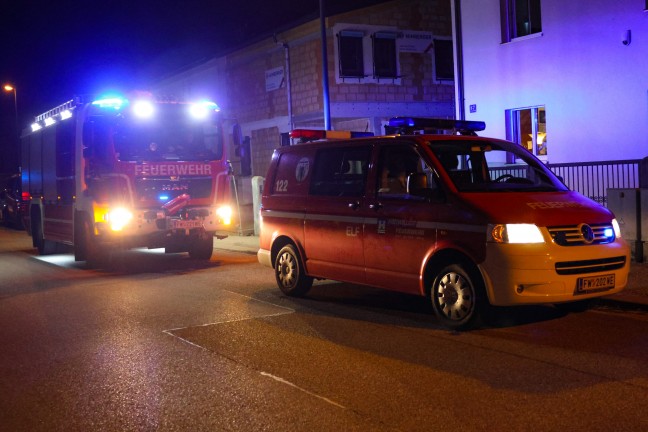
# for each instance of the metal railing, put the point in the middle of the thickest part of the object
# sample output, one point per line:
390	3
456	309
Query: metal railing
593	179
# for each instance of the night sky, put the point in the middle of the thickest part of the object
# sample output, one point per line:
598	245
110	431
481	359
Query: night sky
52	50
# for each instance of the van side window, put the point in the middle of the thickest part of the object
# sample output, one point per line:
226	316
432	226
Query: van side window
340	171
399	165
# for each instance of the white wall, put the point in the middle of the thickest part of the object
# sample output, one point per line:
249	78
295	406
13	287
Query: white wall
594	88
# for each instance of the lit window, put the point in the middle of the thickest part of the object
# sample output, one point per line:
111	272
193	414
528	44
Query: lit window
528	127
520	18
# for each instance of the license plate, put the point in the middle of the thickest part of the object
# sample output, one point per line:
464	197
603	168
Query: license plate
594	283
185	224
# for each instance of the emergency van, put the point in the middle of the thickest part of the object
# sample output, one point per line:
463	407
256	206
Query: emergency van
464	220
124	171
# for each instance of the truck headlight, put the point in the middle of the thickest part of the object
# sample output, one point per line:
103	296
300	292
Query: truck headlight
118	218
225	214
514	233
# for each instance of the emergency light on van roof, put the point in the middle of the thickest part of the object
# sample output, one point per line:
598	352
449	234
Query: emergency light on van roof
410	124
313	134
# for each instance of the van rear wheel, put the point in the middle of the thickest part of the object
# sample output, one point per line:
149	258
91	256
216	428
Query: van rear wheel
289	272
455	297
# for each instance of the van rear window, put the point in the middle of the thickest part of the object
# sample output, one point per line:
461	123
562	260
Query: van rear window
340	171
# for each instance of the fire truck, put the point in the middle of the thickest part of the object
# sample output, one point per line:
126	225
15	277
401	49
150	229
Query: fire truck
125	172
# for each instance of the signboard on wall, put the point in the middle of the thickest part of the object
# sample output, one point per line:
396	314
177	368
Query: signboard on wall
416	41
274	79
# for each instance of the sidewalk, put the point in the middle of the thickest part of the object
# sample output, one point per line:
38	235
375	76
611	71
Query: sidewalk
635	293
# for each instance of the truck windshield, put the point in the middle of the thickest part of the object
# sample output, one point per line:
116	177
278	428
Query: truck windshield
169	135
493	166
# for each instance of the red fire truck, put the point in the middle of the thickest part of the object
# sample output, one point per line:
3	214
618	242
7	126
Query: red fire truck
124	172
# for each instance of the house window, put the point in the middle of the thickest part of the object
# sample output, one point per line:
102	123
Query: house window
520	18
384	55
351	55
443	60
528	127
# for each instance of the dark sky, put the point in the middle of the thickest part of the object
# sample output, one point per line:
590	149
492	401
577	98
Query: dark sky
52	50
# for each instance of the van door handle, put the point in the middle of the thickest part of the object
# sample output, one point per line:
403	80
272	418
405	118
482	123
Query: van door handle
354	205
376	206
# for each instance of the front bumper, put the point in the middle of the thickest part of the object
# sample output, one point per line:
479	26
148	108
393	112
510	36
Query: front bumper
527	274
149	227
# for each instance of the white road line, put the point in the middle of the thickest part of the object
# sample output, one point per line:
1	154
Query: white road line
283	381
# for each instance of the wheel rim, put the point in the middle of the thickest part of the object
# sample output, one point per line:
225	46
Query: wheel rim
455	296
287	270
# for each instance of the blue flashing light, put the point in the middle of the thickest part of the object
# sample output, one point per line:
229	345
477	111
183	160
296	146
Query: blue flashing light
609	233
361	134
143	109
115	103
201	110
164	198
420	123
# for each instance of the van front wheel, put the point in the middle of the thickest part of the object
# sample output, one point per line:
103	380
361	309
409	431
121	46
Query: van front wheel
289	272
454	295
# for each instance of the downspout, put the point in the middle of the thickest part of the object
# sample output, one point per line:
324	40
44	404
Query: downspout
325	83
460	109
288	85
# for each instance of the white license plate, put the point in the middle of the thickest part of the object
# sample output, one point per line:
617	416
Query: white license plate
185	224
595	283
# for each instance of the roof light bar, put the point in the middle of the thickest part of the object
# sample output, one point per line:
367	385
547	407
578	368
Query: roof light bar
112	102
316	134
407	125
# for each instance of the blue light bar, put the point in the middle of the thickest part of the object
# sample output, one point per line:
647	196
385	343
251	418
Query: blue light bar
421	123
115	103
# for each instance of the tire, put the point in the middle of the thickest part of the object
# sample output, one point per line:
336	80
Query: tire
289	272
457	297
201	246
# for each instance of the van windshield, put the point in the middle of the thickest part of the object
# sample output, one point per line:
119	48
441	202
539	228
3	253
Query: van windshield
493	166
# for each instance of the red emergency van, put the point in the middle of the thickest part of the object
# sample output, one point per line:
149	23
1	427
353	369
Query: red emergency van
466	221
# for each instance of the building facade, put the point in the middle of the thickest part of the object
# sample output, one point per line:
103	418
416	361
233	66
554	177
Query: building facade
393	58
566	79
382	62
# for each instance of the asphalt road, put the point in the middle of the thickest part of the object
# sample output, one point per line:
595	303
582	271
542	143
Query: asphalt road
161	342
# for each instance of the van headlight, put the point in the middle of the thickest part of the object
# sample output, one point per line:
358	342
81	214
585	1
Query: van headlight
514	233
225	214
118	218
616	228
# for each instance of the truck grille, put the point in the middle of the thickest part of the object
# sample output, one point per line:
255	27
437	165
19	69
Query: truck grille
583	234
590	266
153	188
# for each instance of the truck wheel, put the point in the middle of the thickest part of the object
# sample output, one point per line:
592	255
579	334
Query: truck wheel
202	246
289	272
455	297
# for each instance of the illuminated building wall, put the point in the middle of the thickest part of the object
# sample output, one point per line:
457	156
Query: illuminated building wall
586	66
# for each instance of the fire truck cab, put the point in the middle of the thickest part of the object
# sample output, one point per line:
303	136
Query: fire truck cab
126	172
466	221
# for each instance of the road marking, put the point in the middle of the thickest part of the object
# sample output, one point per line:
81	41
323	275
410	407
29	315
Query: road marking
283	381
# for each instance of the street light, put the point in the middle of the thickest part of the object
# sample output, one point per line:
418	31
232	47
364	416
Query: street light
10	88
